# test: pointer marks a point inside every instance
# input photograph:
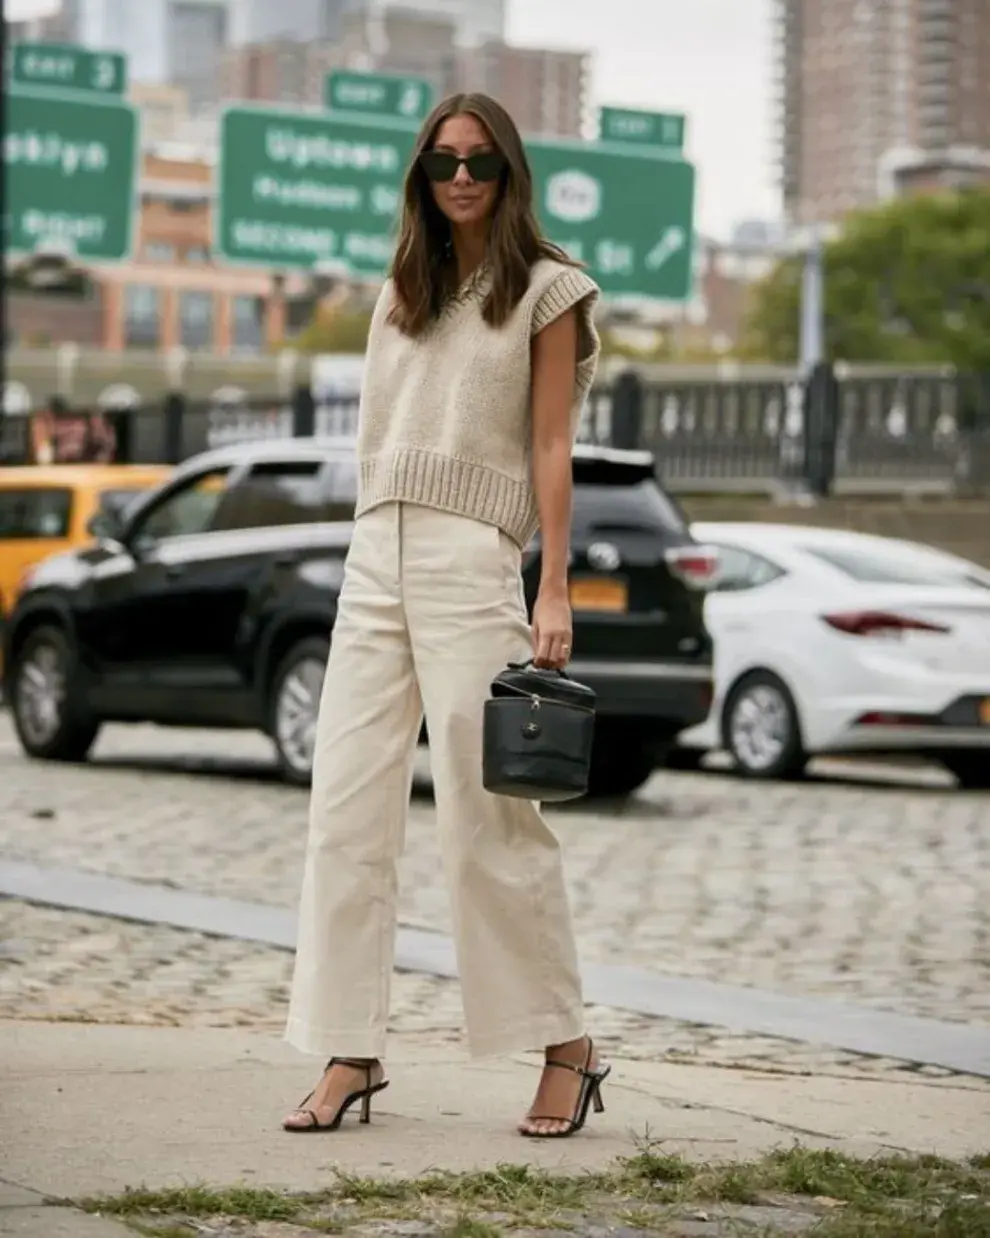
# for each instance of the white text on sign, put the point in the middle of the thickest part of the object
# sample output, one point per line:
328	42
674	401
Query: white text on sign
288	146
51	151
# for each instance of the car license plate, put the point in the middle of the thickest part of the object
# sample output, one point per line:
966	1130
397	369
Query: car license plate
600	593
984	711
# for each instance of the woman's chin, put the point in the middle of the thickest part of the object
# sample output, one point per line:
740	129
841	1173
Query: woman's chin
466	217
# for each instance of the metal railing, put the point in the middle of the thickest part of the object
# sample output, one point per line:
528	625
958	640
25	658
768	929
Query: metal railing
865	431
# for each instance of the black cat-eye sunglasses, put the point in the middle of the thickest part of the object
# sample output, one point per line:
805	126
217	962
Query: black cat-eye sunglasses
442	165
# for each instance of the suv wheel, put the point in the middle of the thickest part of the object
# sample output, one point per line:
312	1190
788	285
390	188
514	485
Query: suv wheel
761	728
295	706
622	760
970	766
49	716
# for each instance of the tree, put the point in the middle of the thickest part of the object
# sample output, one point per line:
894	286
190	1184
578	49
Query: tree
906	283
335	330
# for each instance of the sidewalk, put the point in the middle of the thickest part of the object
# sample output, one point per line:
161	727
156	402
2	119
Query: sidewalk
89	1109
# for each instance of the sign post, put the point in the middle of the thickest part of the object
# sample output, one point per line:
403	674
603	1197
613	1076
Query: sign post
299	190
664	130
378	94
71	164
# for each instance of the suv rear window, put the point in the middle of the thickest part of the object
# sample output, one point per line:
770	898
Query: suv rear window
34	512
619	508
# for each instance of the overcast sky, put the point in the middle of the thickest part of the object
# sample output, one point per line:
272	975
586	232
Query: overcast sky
707	58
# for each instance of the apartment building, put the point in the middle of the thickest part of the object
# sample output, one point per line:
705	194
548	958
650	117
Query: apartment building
877	97
278	71
292	72
260	21
548	92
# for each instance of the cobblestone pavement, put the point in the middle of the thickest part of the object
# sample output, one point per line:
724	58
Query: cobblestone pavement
869	892
75	967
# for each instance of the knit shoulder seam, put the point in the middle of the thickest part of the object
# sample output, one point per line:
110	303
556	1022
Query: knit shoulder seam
567	288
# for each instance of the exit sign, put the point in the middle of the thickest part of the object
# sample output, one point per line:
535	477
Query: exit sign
661	129
58	66
378	95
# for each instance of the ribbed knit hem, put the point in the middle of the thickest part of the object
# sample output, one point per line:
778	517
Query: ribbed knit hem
464	487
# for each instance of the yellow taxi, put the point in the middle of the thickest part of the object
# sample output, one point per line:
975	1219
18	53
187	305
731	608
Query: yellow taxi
45	510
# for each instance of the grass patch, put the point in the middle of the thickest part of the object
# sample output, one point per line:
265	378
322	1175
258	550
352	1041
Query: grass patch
882	1197
201	1201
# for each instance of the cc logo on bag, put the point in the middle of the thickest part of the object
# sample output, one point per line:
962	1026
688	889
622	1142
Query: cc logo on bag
603	556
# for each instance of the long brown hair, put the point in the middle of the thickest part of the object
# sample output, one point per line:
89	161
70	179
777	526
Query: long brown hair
423	269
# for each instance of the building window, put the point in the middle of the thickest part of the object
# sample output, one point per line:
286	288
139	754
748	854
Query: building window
142	316
196	319
159	251
249	324
197	254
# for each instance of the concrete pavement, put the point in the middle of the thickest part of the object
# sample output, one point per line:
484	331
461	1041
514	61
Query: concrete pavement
90	1110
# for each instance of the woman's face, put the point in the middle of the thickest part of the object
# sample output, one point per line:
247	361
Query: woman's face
463	200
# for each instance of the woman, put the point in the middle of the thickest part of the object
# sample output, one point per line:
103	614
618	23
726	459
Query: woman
481	351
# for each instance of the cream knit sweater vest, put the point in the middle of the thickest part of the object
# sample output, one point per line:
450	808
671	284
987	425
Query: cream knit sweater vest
445	418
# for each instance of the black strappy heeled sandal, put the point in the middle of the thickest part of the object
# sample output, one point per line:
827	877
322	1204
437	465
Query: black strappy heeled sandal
363	1095
590	1094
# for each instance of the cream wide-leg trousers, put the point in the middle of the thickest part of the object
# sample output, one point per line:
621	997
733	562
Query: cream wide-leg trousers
431	609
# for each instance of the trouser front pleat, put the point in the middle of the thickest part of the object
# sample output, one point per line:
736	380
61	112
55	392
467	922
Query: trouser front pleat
430	610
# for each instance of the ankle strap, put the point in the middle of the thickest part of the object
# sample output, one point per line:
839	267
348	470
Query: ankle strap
578	1070
356	1063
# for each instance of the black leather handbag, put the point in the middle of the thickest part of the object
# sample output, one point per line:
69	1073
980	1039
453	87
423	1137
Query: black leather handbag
538	730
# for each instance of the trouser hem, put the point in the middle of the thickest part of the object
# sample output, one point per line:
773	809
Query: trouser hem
525	1037
330	1042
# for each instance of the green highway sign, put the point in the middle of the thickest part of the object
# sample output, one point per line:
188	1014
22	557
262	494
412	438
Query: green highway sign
627	214
298	190
62	67
662	129
378	94
71	164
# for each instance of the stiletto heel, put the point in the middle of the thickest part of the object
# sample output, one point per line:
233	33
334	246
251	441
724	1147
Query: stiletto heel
591	1093
363	1095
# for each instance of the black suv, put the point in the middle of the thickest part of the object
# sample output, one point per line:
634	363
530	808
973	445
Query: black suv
211	601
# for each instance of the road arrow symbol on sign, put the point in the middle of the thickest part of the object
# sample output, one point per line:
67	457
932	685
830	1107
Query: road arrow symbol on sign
672	242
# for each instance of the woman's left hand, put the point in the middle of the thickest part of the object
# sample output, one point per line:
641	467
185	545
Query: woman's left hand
552	629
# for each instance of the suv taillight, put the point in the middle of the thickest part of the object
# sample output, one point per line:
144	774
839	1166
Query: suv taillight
695	566
880	623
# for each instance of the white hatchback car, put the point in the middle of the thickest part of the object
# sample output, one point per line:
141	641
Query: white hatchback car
833	641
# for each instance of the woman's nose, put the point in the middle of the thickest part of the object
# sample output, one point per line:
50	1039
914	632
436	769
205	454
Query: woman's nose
462	176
